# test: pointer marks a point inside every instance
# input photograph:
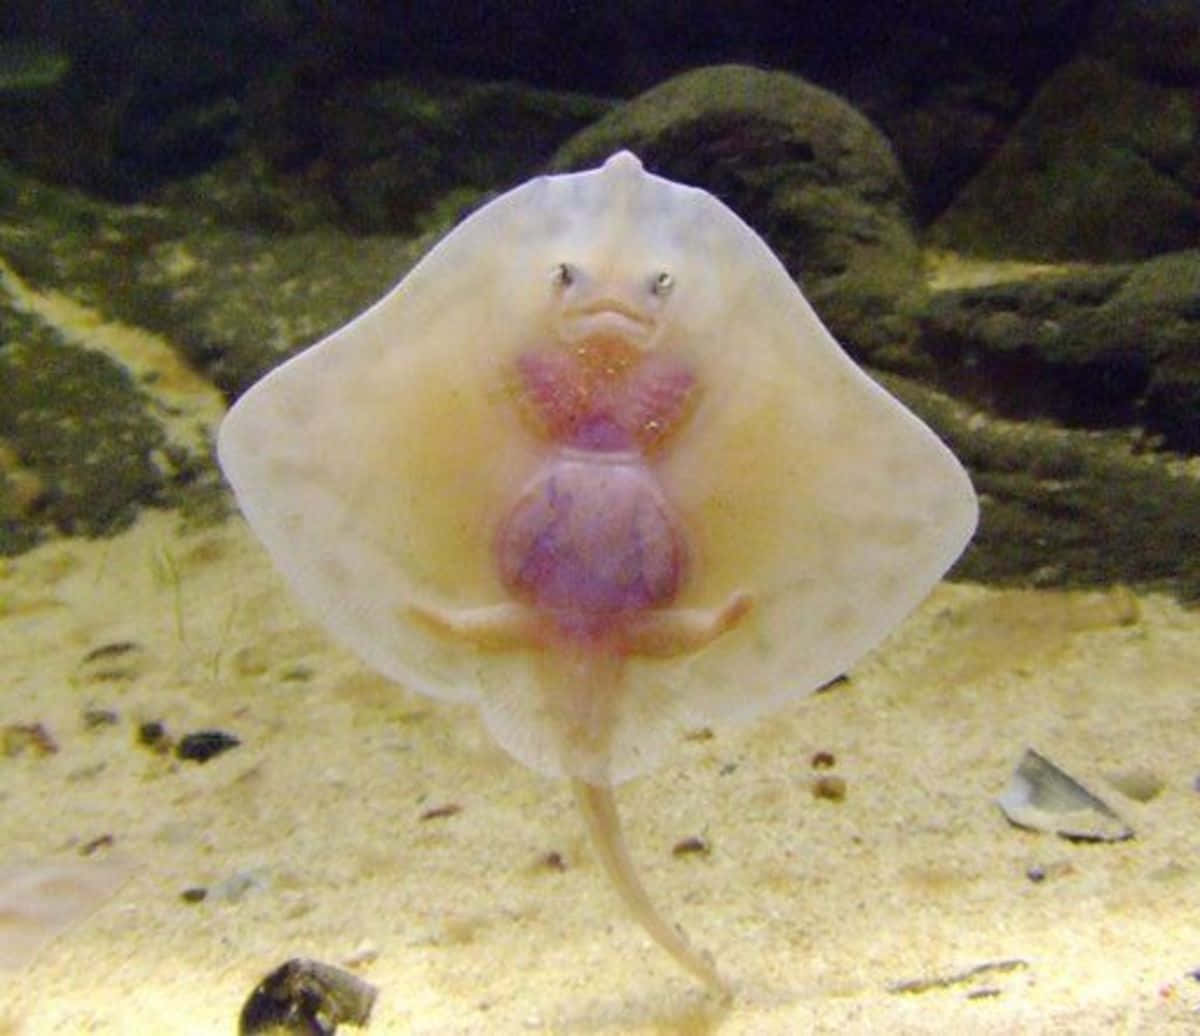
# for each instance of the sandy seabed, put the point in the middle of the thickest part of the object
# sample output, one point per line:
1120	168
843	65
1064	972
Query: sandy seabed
312	838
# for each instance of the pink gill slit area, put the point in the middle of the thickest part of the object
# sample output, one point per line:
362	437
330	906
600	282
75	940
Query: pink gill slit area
605	396
591	543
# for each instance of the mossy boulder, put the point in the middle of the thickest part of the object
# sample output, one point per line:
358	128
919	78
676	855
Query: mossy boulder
1063	507
1103	166
1100	347
82	453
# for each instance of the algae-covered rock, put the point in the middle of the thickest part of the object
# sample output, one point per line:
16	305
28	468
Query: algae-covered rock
234	301
30	65
1064	507
394	150
1103	166
380	156
76	419
1098	346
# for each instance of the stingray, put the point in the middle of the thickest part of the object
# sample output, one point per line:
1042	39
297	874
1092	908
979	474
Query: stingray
596	467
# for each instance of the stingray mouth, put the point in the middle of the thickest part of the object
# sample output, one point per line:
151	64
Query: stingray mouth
609	318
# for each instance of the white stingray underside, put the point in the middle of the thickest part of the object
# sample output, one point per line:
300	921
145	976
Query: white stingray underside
376	465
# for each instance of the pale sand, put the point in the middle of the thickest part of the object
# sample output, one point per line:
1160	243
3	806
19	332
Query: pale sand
812	908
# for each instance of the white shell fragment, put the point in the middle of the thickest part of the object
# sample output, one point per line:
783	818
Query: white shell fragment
1041	797
797	511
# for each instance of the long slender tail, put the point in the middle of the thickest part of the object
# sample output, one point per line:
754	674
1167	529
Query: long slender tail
599	810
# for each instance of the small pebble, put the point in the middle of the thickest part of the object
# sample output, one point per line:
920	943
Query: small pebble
99	842
553	861
32	737
298	674
688	846
1039	872
153	735
118	662
93	719
116	648
829	787
202	745
196	894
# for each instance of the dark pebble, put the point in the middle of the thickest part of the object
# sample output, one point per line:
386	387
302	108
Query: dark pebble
94	844
113	650
201	746
830	788
152	734
93	719
308	997
829	685
17	738
688	846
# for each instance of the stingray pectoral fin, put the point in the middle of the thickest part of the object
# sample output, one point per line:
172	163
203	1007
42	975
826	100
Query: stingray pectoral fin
679	631
495	627
599	810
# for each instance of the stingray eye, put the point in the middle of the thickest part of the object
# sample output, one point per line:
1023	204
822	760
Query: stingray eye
661	284
564	275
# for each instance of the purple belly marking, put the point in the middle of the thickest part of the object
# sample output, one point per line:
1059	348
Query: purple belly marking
592	540
592	536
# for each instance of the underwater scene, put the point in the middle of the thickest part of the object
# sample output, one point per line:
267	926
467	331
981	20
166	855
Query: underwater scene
632	519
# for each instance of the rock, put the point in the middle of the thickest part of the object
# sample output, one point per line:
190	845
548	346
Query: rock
234	301
382	156
79	422
1068	508
1103	166
1158	41
202	745
369	134
306	996
1158	310
1100	347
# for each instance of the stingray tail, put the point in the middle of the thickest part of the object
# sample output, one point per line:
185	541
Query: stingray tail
599	810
